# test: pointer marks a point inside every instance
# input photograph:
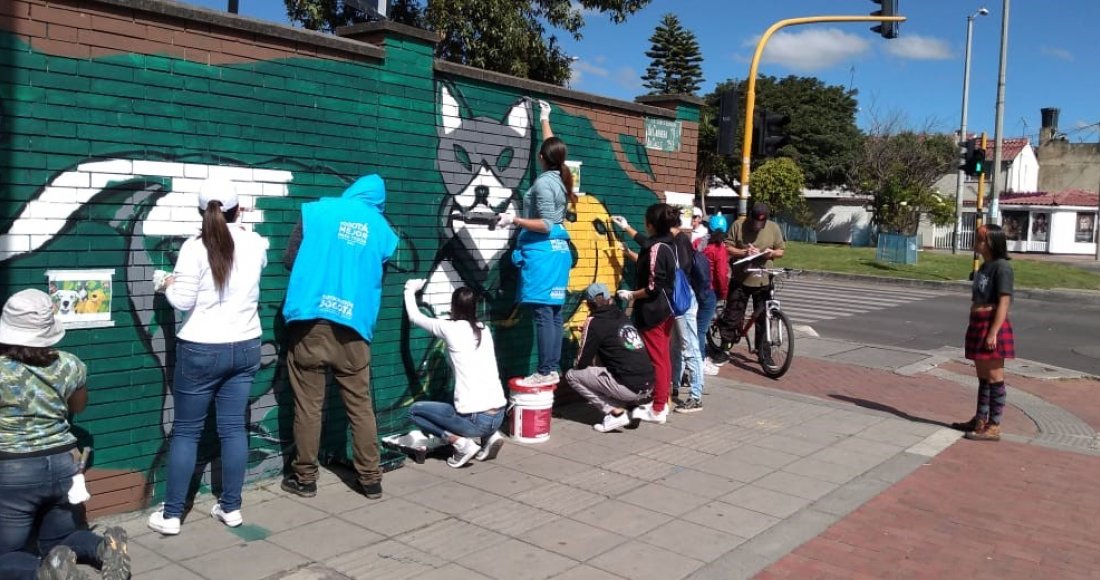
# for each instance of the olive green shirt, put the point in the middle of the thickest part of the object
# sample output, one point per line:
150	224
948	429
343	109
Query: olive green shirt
770	236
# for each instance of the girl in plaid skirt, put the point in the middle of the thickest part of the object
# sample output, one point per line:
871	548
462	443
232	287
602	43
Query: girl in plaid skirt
989	338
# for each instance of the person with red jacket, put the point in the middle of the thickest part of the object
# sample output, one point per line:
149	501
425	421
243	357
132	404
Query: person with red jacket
715	251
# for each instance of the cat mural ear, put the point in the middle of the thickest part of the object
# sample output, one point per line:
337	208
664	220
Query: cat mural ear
450	114
519	117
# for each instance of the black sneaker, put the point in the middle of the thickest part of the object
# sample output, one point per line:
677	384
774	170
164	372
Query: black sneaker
692	405
114	554
291	484
371	490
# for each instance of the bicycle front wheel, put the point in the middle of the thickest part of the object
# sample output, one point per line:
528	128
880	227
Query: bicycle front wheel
777	352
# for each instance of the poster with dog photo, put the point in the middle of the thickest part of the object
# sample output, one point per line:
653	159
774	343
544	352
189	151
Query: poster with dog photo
82	298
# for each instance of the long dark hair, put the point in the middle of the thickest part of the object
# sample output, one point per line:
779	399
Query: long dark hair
218	241
996	241
716	237
554	152
464	307
662	217
33	356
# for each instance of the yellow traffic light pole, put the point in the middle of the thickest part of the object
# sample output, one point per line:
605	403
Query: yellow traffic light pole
979	221
750	93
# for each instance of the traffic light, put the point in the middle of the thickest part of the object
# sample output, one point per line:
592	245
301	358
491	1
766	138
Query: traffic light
973	159
887	30
727	123
769	133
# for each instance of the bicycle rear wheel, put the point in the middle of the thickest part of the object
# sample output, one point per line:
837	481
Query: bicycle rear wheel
777	354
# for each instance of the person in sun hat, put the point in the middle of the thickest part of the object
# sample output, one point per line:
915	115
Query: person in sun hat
613	371
40	387
217	282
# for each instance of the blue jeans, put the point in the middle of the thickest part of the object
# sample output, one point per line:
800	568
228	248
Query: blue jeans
204	372
549	330
441	419
688	355
33	492
707	307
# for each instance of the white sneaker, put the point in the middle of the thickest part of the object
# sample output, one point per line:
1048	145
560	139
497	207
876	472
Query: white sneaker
465	450
709	368
645	413
231	519
490	447
167	526
537	379
612	422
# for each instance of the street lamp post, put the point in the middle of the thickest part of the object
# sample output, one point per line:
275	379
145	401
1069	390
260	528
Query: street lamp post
955	242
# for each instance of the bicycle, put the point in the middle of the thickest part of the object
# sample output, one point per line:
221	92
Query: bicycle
776	359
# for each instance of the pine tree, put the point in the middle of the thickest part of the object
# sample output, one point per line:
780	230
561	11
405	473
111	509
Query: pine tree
676	60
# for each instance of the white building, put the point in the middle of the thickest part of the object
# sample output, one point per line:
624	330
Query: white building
1056	223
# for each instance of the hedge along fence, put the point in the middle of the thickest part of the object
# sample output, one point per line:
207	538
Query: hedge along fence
114	113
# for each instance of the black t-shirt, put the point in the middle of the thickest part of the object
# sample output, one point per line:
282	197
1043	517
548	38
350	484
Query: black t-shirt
993	280
611	341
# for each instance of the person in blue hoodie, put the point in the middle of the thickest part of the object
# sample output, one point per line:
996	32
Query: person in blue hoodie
542	253
336	254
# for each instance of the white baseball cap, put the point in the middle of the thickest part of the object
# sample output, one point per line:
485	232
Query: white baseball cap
696	212
220	191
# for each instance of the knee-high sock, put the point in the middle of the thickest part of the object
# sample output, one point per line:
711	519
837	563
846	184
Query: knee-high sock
997	395
983	399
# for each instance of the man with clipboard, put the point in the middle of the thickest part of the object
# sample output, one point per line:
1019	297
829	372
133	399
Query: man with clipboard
753	243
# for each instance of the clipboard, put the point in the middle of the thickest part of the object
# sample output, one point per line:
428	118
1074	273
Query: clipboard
762	255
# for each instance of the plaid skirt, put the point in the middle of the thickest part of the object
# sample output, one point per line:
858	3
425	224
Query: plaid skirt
980	321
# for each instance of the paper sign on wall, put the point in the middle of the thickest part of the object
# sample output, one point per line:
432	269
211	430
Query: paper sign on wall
82	298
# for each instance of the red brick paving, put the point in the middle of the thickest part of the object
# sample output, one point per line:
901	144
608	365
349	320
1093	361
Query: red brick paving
1078	396
922	397
978	510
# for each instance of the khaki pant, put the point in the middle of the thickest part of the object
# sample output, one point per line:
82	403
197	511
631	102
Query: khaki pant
602	391
316	347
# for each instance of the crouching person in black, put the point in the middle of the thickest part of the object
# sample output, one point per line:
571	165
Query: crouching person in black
613	371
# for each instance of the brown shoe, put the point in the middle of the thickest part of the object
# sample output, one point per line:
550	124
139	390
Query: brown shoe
990	432
972	425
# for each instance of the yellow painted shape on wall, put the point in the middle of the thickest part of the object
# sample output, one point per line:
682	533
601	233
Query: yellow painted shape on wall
599	255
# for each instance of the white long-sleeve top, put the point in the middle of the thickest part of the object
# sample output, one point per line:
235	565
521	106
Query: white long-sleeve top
219	317
477	380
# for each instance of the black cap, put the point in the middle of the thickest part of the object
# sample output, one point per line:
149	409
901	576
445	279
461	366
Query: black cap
759	211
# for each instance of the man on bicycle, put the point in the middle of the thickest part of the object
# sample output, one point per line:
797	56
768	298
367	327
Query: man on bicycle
754	236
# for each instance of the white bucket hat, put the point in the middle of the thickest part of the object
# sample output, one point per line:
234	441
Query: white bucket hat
28	320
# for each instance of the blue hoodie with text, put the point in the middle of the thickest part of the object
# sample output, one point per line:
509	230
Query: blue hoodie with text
337	275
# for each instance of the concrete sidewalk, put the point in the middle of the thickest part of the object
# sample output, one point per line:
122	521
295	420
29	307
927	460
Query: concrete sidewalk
718	494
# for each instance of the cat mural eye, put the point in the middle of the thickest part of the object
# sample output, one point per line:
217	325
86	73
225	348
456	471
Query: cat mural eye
505	158
462	156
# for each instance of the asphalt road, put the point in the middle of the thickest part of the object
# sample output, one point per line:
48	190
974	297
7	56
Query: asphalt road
1056	333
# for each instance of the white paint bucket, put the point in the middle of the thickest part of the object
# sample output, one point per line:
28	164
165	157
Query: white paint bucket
530	411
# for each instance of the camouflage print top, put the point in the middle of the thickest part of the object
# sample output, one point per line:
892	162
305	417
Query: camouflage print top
34	404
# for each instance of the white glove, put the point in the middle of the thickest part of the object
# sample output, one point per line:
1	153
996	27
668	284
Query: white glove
544	110
506	219
620	221
415	285
78	493
626	295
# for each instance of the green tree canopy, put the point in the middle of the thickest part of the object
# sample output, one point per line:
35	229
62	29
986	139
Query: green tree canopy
898	168
823	131
506	36
675	66
779	183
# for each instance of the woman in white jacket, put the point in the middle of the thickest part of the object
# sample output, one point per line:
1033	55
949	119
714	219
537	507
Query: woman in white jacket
478	408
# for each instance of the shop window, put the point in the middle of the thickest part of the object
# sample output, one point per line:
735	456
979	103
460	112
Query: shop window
1040	226
1086	224
1015	225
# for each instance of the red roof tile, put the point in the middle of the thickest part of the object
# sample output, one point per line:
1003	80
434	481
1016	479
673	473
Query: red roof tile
1012	148
1072	197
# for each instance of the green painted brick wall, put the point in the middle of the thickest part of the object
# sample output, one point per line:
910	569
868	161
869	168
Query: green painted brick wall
100	159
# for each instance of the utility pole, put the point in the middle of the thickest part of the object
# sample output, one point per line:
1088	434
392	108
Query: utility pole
234	6
961	178
750	91
994	207
1096	225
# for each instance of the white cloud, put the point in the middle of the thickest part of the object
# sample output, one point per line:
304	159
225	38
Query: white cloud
580	68
916	47
1055	52
578	7
812	49
628	78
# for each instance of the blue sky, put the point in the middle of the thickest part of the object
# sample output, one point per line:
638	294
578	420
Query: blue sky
918	75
